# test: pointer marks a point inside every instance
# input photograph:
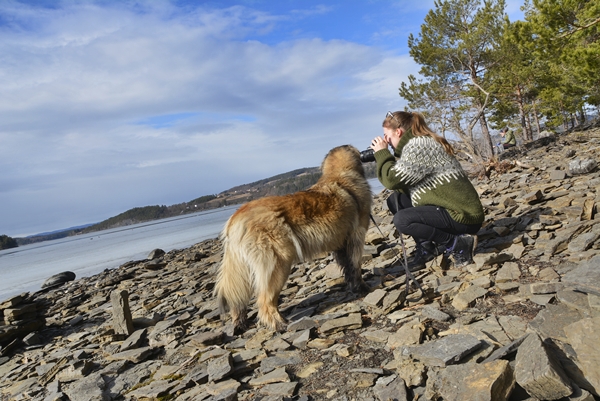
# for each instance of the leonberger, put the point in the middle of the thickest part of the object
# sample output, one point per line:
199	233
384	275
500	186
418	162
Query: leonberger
265	237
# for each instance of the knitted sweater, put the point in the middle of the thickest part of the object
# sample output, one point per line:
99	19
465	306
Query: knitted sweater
510	138
430	176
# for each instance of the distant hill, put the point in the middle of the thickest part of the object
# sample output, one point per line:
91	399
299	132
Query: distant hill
281	184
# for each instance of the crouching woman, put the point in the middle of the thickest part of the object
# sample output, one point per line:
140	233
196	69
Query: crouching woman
434	201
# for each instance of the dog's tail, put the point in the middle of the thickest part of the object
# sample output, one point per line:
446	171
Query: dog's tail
233	288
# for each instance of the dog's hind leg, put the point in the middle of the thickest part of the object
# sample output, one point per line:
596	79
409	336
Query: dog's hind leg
233	288
269	285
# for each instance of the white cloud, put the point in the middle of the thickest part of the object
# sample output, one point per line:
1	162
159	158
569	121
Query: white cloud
85	86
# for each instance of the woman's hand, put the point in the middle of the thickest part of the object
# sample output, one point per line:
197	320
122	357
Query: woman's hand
378	143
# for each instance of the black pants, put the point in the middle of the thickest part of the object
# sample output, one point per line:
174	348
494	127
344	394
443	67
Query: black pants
508	145
426	223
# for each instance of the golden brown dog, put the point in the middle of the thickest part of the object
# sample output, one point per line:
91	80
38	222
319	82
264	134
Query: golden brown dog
265	237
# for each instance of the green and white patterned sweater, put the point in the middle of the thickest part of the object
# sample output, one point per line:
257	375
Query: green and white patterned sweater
430	176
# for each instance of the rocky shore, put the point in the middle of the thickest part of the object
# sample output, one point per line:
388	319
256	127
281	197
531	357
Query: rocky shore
520	323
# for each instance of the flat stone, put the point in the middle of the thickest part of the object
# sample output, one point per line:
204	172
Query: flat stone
276	376
320	343
378	336
280	389
224	387
375	298
350	322
273	362
583	242
586	277
542	299
551	321
443	352
154	390
508	272
545	288
548	274
135	355
514	326
135	340
488	259
539	372
207	338
410	333
276	344
89	388
219	368
466	298
432	313
302	340
309	370
583	338
508	286
491	381
575	300
75	371
506	350
259	339
304	323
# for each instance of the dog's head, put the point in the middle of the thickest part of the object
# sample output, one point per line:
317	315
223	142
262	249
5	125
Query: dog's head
342	159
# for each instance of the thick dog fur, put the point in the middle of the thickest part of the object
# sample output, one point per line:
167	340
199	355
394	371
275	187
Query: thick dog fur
265	237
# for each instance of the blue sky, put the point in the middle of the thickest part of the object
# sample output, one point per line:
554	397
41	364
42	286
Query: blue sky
110	105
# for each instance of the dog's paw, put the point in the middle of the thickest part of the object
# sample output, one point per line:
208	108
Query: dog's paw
360	287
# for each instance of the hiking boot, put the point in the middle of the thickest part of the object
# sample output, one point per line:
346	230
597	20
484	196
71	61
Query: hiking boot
462	250
424	252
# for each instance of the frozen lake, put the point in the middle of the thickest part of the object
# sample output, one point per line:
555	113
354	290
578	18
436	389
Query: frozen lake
25	268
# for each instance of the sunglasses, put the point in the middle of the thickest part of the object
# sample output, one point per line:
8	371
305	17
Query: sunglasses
390	114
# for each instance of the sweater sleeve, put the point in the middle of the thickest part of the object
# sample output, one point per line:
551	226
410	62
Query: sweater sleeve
385	161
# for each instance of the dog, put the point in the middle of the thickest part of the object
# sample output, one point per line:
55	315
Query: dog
265	237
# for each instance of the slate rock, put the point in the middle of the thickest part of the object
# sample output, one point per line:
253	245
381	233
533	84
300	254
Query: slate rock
491	381
390	388
444	351
582	166
539	372
583	338
58	279
586	277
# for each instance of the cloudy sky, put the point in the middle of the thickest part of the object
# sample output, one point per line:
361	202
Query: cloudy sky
110	105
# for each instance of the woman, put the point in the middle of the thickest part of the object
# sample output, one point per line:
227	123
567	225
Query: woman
509	138
434	202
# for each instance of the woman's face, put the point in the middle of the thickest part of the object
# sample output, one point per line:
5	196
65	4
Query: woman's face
392	136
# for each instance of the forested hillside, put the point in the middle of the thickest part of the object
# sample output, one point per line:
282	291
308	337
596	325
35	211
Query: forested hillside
281	184
481	72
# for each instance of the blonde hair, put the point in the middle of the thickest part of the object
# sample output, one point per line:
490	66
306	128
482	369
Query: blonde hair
416	123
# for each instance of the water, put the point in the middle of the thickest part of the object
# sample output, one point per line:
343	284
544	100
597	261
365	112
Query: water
25	268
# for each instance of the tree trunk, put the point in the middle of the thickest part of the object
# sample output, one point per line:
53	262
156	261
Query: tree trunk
537	120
